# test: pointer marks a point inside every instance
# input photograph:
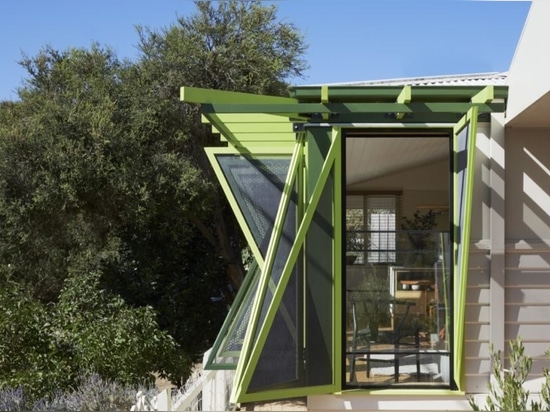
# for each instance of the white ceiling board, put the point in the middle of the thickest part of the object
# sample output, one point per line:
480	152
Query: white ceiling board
373	157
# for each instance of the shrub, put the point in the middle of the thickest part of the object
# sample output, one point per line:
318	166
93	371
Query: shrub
47	349
93	394
506	391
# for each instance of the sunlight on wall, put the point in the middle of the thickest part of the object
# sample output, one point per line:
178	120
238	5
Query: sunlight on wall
537	161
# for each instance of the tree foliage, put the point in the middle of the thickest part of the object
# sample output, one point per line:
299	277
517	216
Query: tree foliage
104	185
47	348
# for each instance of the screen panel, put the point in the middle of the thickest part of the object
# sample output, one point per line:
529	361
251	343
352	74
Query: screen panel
257	185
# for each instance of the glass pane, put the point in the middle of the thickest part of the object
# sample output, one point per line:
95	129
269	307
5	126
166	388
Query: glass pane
397	301
396	324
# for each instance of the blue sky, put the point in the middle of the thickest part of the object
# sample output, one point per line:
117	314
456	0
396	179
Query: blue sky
349	40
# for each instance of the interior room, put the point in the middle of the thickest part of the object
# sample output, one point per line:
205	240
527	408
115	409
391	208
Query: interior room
398	267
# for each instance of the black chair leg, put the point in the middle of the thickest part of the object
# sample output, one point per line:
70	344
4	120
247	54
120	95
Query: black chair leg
417	347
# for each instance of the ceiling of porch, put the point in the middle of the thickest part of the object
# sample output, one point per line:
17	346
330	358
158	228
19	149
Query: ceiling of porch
369	158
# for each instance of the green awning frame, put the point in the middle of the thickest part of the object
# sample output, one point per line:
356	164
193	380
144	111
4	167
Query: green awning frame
254	124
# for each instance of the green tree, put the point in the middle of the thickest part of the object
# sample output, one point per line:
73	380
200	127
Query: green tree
50	348
103	172
235	46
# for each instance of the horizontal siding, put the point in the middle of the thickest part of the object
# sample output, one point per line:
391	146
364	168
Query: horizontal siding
522	295
478	313
478	294
476	332
525	313
477	366
528	277
477	328
476	350
537	332
527	300
476	383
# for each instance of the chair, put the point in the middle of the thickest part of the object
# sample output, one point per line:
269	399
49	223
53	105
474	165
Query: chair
361	338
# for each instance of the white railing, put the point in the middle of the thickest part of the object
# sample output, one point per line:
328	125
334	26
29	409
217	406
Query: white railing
205	390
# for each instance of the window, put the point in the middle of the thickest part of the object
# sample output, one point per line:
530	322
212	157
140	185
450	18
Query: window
381	226
371	224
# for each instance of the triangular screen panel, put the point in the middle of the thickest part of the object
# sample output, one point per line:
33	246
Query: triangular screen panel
228	351
257	184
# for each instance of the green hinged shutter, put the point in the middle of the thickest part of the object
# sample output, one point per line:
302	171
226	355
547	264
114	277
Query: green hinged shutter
464	147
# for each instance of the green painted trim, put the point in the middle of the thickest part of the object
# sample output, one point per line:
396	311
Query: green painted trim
249	345
257	118
285	276
238	133
324	94
257	146
401	392
445	266
220	127
243	139
199	95
337	247
405	95
285	393
462	266
485	95
270	127
221	367
211	153
264	149
370	118
390	93
387	107
228	324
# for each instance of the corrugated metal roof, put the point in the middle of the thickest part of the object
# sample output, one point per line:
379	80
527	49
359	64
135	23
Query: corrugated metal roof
475	79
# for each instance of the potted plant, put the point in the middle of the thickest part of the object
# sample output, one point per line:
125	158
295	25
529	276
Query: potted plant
353	246
354	237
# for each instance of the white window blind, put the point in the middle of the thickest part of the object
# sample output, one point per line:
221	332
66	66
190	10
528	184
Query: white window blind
381	224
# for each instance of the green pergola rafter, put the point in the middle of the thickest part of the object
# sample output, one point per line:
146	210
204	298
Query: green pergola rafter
254	118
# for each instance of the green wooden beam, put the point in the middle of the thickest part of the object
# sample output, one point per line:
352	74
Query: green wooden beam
413	118
484	96
404	96
348	118
220	126
301	108
260	127
390	93
199	95
324	94
256	118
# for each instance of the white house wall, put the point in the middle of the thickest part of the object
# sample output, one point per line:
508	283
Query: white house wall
528	79
527	279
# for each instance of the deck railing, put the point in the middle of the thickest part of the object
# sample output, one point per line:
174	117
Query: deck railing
205	390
